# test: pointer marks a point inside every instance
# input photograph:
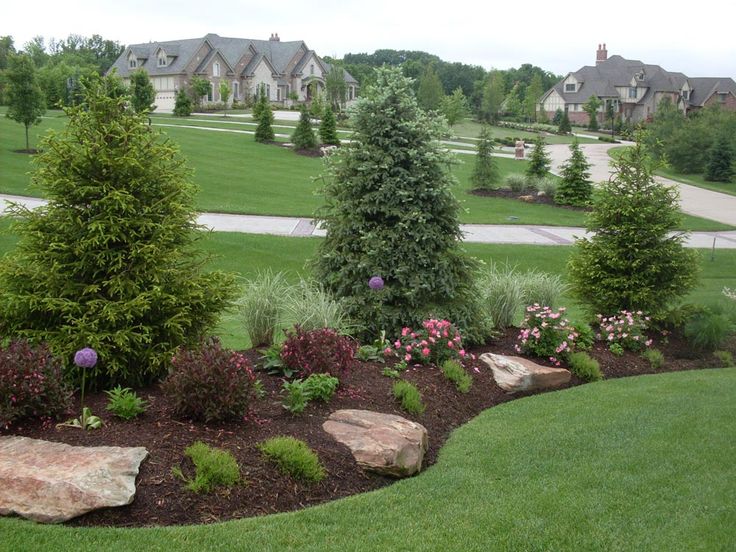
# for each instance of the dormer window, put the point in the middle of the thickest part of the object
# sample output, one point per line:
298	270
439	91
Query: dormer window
632	92
570	87
162	61
132	61
685	94
216	69
640	76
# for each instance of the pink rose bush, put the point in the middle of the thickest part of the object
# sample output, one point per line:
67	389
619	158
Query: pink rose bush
547	333
625	329
437	341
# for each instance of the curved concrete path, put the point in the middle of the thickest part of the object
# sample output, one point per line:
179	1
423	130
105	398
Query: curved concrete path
693	200
473	233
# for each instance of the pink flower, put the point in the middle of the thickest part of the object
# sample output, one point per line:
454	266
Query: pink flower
462	352
648	342
405	331
407	358
397	344
450	344
387	351
408	348
425	351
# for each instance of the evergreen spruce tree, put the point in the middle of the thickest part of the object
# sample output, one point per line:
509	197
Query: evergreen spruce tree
142	94
390	212
328	128
182	104
25	99
633	261
539	160
264	130
720	161
303	137
260	103
557	117
564	126
108	263
575	188
485	172
430	93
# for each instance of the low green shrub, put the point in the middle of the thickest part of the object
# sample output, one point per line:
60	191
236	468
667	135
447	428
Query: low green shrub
708	330
548	186
410	397
213	468
454	371
617	349
296	399
319	387
262	306
516	183
585	367
31	384
210	383
725	358
546	333
293	457
654	357
124	403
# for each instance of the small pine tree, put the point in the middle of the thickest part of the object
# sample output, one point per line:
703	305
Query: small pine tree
109	263
25	99
720	162
557	117
564	126
260	103
142	93
264	130
632	262
576	188
328	128
539	160
485	171
182	104
390	212
303	137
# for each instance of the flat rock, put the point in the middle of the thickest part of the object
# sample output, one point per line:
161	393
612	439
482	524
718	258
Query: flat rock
383	443
514	374
54	482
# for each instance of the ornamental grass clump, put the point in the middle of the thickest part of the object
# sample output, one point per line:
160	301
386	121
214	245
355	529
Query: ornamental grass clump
311	307
110	261
436	342
262	307
625	329
390	210
31	384
546	333
321	351
210	383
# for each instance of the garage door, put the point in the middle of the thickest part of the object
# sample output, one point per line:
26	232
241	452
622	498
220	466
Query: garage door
165	101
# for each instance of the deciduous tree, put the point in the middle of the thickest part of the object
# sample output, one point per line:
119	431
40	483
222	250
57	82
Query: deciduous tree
26	103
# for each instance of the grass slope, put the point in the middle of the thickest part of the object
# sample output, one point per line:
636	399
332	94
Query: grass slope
630	464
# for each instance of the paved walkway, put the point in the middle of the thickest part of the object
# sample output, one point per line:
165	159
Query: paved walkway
474	233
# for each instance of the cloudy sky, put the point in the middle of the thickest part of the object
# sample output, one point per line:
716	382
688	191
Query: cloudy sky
557	36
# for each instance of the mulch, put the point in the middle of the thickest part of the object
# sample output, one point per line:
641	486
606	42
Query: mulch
161	498
525	196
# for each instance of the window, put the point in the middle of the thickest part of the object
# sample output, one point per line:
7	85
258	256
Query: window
278	94
216	69
685	94
570	87
311	69
162	59
132	62
211	93
351	92
236	90
722	98
632	92
268	91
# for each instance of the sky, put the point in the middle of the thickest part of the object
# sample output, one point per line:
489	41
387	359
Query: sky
557	36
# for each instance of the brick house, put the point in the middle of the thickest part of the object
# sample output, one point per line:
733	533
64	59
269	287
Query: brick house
245	64
635	89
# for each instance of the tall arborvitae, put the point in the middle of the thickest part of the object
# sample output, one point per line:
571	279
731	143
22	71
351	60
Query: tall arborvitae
109	262
575	188
328	128
485	172
390	212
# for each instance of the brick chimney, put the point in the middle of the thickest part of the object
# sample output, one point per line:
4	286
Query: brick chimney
601	55
275	37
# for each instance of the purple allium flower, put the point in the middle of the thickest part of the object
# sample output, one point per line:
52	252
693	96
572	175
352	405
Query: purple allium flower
85	358
376	283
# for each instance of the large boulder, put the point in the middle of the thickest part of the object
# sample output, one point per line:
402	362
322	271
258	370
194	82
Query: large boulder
383	443
53	482
515	374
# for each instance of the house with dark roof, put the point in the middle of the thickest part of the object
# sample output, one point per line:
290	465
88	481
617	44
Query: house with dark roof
635	89
282	68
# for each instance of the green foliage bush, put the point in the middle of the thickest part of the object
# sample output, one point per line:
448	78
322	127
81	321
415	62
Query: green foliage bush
654	357
303	137
124	403
214	468
409	396
576	187
632	262
584	366
720	166
182	104
328	128
485	171
317	387
142	94
725	358
109	263
293	457
708	330
262	306
516	183
454	371
210	383
31	384
297	398
390	211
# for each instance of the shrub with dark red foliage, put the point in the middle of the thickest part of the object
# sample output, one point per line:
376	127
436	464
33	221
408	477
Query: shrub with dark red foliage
322	351
31	384
210	383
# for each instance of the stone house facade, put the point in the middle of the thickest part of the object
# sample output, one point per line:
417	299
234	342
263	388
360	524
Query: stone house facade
282	68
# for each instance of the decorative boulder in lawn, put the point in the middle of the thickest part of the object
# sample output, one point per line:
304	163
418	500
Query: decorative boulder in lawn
515	374
383	443
54	482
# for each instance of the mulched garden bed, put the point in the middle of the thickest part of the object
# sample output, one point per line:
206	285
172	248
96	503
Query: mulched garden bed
161	498
529	196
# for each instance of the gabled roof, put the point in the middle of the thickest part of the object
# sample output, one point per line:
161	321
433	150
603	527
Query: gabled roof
702	88
250	68
185	50
209	57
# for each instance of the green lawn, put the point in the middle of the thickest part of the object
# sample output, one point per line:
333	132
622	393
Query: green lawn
641	463
237	175
469	128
